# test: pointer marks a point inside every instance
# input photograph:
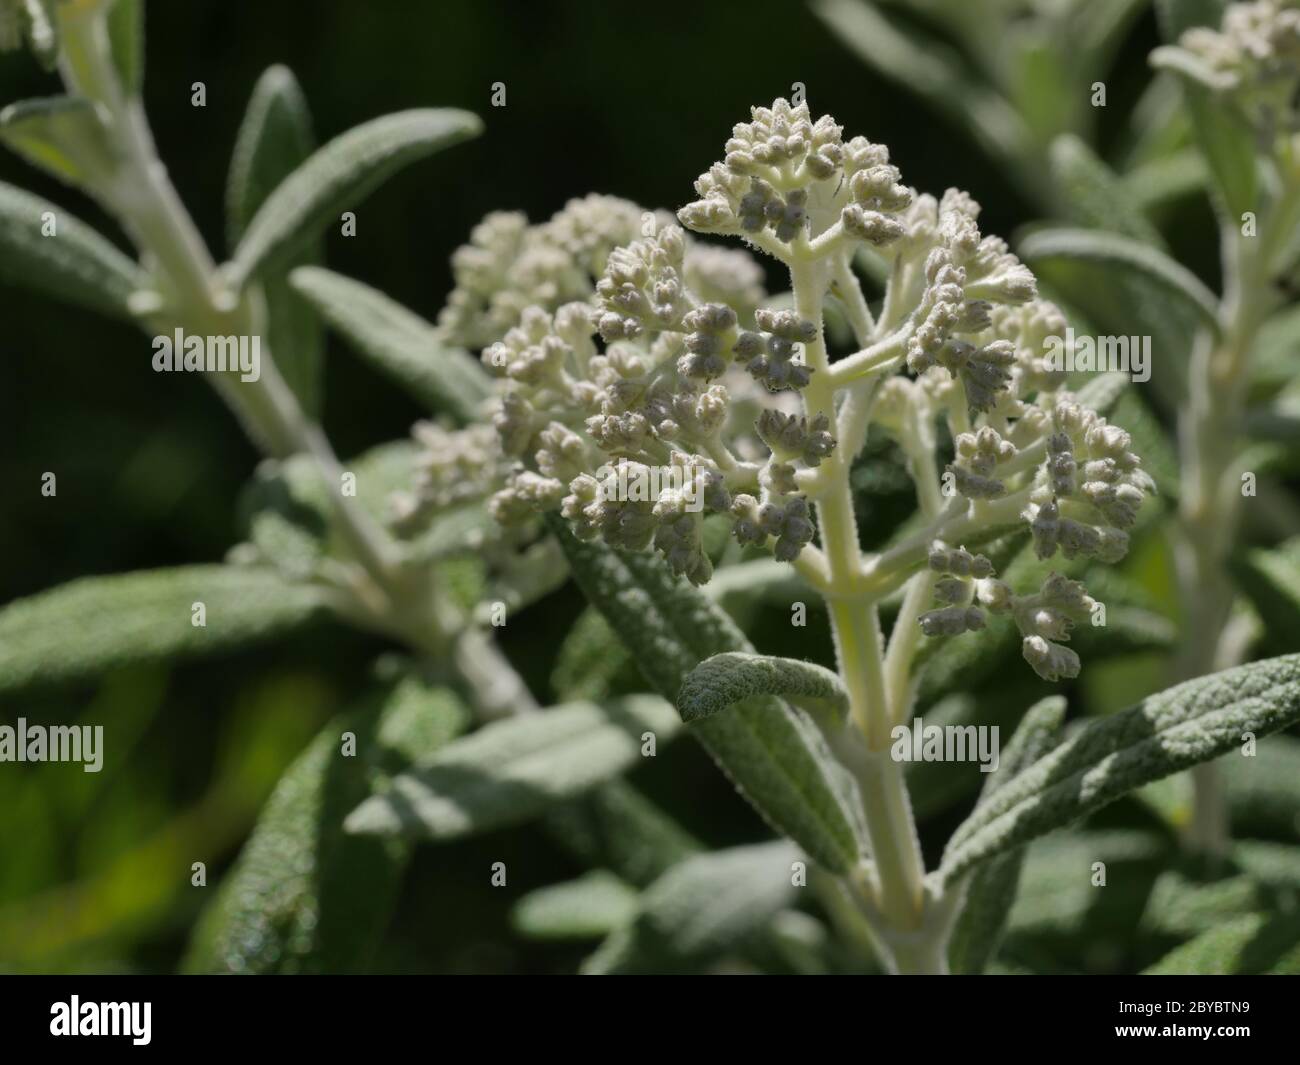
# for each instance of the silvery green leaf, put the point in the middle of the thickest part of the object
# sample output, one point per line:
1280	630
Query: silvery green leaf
526	576
1263	791
515	769
1165	178
1059	900
992	888
759	580
1255	944
126	39
590	907
774	757
932	69
287	516
1103	392
78	630
617	827
1111	251
704	907
592	659
77	264
1272	355
62	135
337	177
304	896
274	138
399	343
1270	577
1183	726
1274	865
1094	194
725	679
1182	907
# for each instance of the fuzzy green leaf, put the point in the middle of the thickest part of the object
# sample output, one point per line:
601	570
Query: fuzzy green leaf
398	342
78	630
1111	251
590	907
992	888
1263	791
304	896
61	135
707	905
1270	577
733	676
126	39
775	757
1181	906
77	264
1183	726
275	138
592	662
515	769
1058	901
337	177
759	580
1254	944
617	827
1094	194
932	69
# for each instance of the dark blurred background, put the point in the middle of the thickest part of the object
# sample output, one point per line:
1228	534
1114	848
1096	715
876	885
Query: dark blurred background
634	102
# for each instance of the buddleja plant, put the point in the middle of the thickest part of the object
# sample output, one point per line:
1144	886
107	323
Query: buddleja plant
647	418
644	413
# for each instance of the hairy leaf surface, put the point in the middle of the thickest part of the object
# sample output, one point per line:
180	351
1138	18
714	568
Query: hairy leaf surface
1183	726
76	631
338	176
515	769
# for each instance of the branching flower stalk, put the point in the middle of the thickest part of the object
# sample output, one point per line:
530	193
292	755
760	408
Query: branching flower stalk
650	383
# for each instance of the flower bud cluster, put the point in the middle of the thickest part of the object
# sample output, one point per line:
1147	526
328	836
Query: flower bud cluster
787	178
678	378
1090	488
631	392
509	265
965	276
1254	57
452	468
1045	618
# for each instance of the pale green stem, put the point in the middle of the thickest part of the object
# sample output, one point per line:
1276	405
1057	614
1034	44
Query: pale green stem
903	644
856	629
1210	503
